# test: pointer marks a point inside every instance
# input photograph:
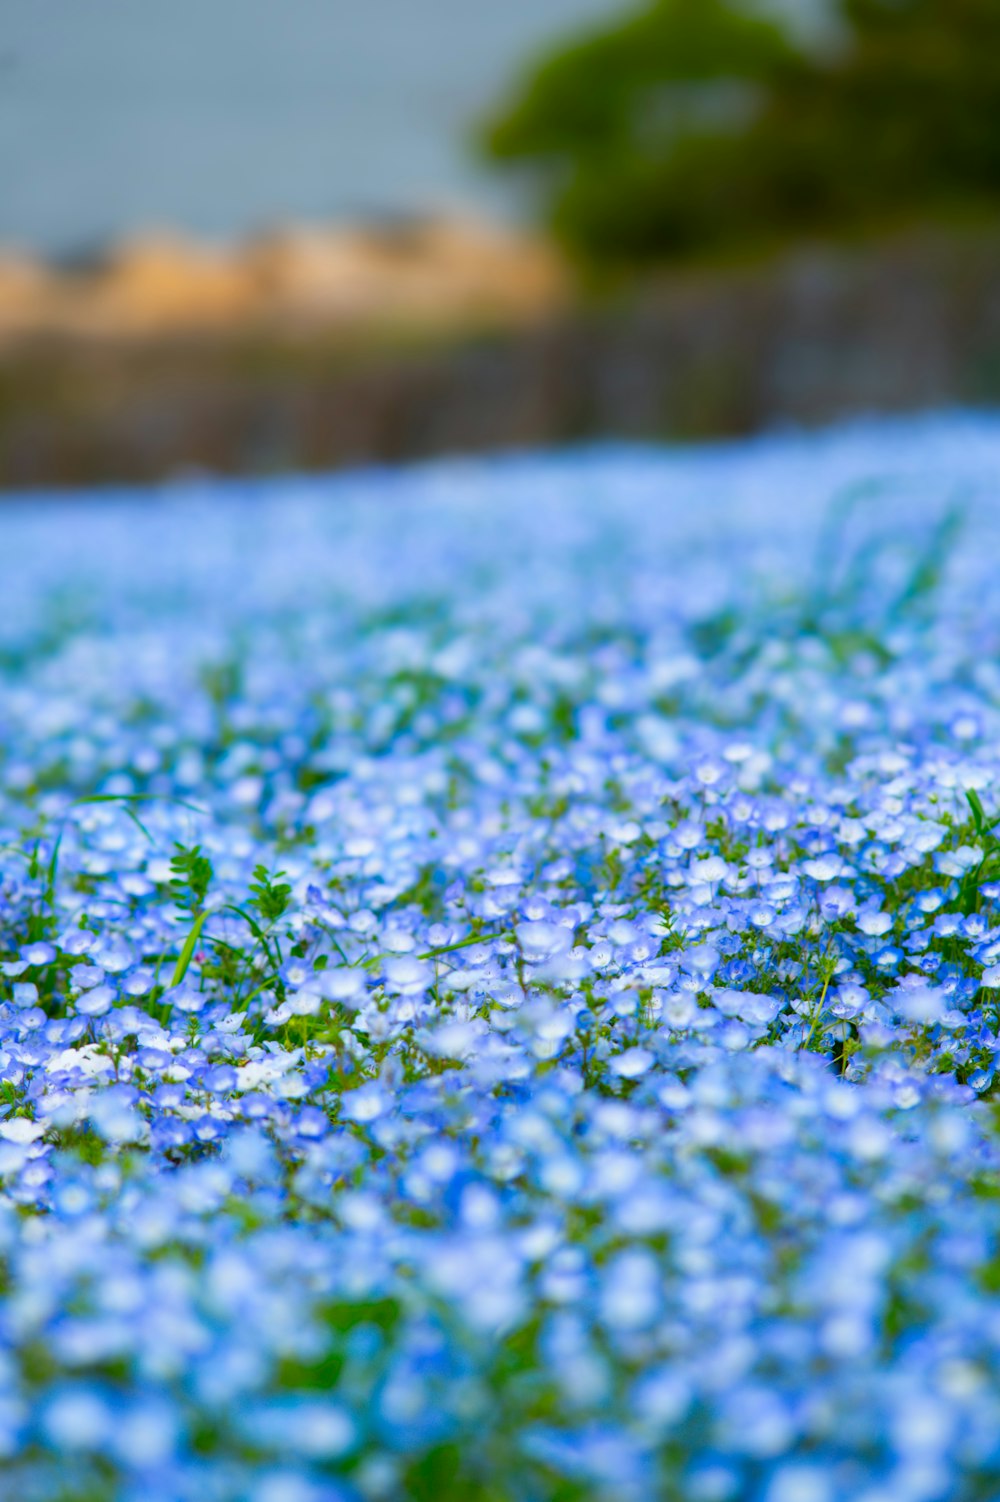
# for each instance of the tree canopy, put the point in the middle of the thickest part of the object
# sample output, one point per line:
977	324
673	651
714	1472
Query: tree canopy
694	126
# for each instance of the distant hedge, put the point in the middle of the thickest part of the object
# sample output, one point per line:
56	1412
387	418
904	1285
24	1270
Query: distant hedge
697	126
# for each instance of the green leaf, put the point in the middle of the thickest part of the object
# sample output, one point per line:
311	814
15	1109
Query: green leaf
187	953
270	896
978	812
192	876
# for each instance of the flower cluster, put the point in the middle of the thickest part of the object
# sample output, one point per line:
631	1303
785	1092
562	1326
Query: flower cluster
500	981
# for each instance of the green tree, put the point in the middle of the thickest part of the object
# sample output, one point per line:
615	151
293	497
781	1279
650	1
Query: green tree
695	126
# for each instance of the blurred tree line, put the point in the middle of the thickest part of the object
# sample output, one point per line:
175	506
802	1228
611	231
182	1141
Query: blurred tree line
694	127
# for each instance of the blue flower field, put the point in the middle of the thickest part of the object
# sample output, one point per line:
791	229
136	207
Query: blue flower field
500	974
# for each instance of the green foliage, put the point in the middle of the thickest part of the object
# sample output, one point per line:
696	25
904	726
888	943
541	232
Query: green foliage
191	877
988	868
694	126
269	895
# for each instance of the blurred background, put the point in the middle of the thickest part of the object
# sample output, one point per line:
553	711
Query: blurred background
240	237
